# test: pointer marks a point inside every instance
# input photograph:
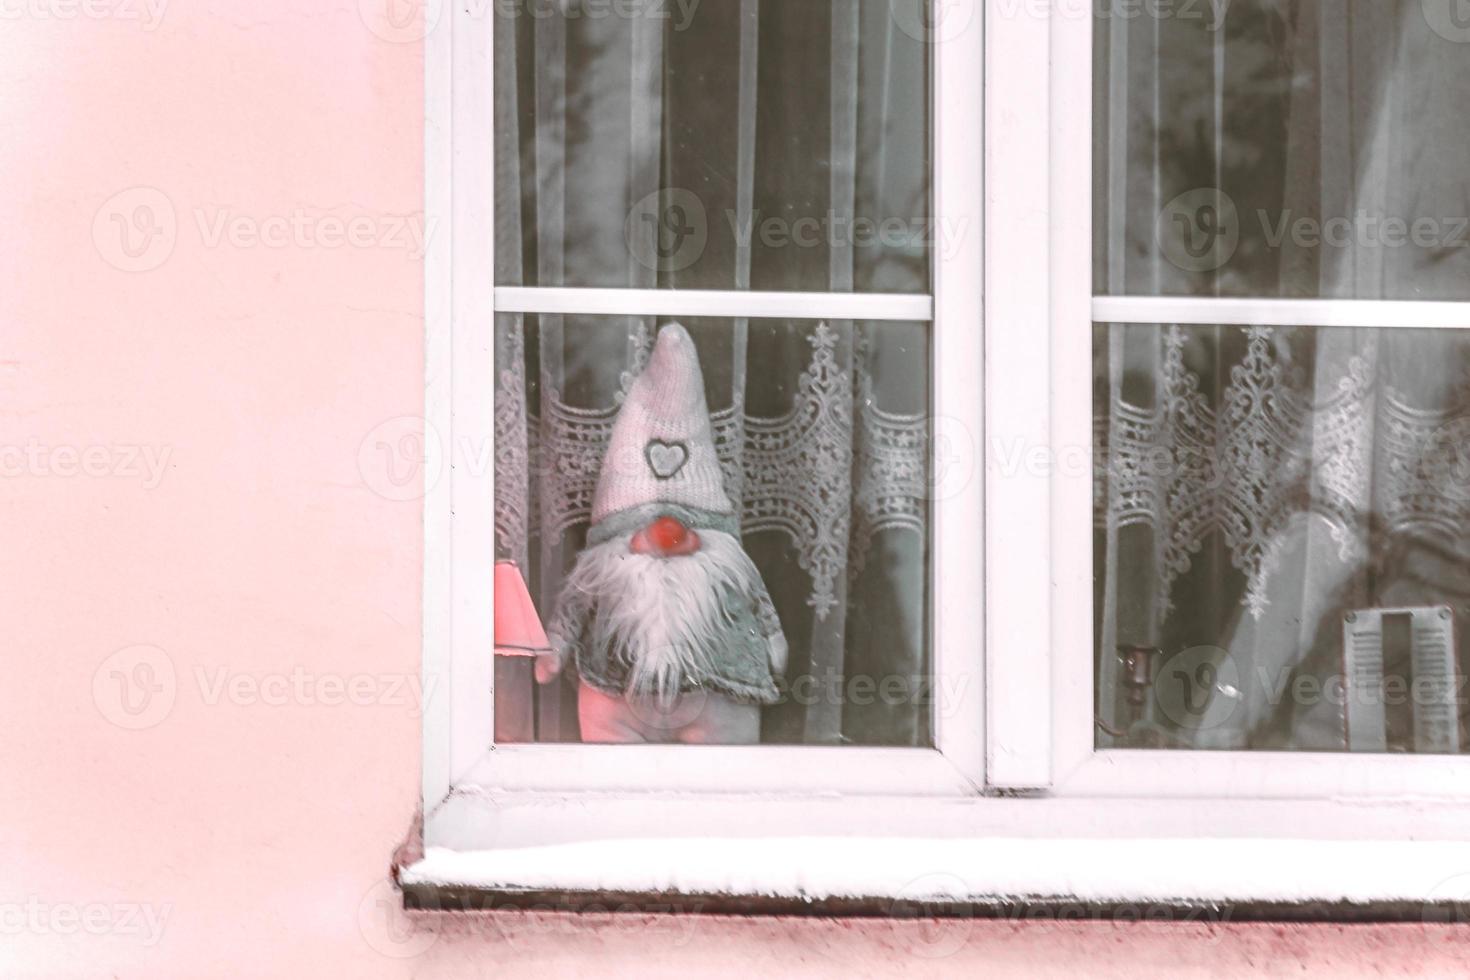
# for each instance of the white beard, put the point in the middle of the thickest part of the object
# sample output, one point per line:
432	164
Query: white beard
666	617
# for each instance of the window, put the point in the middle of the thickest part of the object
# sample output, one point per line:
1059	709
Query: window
1214	489
742	200
747	148
1281	517
833	482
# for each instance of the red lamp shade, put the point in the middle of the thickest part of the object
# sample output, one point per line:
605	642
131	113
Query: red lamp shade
518	629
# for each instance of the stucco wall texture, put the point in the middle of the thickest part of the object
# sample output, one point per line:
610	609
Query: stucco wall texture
211	298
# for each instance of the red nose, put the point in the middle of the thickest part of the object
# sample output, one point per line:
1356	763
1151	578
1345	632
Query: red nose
667	533
666	537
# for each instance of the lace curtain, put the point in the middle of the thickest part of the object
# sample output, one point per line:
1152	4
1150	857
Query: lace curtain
1255	485
749	111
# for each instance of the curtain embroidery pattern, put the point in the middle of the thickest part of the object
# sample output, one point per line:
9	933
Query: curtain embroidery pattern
512	448
1427	469
795	473
1269	457
1265	458
891	476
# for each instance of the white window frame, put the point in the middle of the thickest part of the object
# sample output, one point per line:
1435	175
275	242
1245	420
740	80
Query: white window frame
1015	779
459	515
1062	394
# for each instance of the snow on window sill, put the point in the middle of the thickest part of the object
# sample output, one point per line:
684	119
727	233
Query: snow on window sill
1195	880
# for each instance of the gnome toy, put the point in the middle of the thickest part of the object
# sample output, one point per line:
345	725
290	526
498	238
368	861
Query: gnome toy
669	623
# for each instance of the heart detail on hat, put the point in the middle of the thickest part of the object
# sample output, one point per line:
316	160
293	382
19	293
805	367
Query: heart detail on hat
666	459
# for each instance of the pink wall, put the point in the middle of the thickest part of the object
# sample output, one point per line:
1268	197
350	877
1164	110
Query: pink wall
200	571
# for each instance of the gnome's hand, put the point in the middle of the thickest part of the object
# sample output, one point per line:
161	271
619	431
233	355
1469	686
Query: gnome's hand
777	647
548	665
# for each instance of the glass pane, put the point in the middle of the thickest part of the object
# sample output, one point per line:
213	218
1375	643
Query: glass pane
1262	148
1282	538
722	145
685	505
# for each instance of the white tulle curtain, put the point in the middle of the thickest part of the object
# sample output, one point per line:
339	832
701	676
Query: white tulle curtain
1256	484
821	425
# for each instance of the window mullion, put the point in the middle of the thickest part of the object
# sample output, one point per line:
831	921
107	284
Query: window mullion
1269	312
910	307
1018	378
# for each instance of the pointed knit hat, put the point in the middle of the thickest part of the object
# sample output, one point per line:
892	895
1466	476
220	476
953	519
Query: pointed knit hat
662	449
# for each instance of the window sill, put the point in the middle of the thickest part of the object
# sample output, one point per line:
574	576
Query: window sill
1216	880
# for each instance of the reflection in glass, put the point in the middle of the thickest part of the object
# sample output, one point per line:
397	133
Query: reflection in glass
1312	149
730	144
1282	550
